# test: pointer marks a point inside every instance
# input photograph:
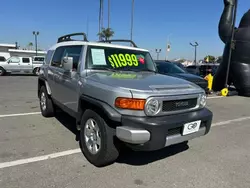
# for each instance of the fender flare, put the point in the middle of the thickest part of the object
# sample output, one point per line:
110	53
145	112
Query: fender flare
109	112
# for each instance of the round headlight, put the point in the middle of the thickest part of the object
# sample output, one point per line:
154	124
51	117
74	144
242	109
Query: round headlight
203	100
152	107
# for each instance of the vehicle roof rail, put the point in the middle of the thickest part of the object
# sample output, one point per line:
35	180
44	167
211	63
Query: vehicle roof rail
68	37
120	40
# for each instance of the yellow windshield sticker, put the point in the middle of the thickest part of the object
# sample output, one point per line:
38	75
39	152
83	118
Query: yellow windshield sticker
121	60
124	76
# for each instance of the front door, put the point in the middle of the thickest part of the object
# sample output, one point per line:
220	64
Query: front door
65	82
13	64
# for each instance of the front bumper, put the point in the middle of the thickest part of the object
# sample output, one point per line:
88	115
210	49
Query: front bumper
153	133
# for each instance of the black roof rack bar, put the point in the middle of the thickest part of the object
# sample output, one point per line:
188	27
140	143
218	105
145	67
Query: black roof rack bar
67	37
119	40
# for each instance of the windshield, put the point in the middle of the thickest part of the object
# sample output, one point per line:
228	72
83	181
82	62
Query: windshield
169	68
119	59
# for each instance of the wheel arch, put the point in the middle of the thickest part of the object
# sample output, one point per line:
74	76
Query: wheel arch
100	107
43	82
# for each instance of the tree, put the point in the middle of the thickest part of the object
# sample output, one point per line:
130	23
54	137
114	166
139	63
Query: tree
30	45
209	59
106	34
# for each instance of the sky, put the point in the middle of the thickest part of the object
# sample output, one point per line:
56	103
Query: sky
155	21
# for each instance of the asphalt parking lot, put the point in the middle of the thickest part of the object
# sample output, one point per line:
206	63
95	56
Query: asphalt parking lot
40	152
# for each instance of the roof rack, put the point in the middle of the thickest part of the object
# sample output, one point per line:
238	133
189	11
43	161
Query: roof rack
68	37
119	40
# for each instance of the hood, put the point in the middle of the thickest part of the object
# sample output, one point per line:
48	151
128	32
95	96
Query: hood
140	80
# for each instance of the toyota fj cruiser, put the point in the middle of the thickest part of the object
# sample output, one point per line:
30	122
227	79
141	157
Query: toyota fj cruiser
116	96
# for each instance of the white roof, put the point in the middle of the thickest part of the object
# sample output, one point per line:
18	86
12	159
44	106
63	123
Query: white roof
26	51
7	45
67	43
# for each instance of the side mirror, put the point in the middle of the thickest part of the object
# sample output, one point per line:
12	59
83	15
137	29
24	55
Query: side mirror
67	63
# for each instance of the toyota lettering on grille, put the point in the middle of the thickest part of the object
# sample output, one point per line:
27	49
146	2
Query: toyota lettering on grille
181	104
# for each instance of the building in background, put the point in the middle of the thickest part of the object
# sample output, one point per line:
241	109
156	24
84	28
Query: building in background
9	50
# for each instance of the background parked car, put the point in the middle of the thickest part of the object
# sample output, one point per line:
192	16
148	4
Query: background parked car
202	70
171	69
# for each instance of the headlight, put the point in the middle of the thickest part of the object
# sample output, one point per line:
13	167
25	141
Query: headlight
203	100
152	107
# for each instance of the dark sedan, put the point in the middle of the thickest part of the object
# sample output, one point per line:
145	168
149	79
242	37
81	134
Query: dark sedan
171	69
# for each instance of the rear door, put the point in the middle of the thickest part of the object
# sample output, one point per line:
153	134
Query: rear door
26	64
54	71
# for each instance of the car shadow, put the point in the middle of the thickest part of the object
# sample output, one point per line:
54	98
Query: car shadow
128	156
68	122
140	158
20	74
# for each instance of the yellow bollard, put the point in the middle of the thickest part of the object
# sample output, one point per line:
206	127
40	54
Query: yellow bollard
209	78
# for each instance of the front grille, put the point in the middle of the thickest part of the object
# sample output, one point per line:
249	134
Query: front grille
176	105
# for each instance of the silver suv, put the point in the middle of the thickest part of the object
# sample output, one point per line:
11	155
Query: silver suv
117	98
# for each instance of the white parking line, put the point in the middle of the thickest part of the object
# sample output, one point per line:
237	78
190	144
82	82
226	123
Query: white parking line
231	121
75	151
215	97
39	158
22	114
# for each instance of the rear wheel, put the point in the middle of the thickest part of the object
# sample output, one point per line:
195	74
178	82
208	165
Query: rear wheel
36	71
97	140
2	71
46	104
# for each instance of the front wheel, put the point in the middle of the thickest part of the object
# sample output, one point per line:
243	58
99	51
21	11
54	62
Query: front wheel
97	140
46	104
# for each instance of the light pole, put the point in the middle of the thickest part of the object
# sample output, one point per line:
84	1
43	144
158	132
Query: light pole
195	50
158	51
168	47
132	19
36	33
108	13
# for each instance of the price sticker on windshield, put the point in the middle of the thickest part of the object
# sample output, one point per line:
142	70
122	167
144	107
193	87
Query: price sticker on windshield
121	60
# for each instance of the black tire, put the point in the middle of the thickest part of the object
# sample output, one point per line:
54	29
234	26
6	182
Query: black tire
35	71
108	152
2	71
48	111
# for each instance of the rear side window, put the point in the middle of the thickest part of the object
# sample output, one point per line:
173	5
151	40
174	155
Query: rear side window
26	60
48	56
39	59
2	59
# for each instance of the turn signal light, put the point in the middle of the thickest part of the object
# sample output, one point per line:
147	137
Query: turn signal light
128	103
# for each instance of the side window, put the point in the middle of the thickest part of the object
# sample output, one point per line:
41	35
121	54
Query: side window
26	60
48	56
14	60
2	59
75	52
56	60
